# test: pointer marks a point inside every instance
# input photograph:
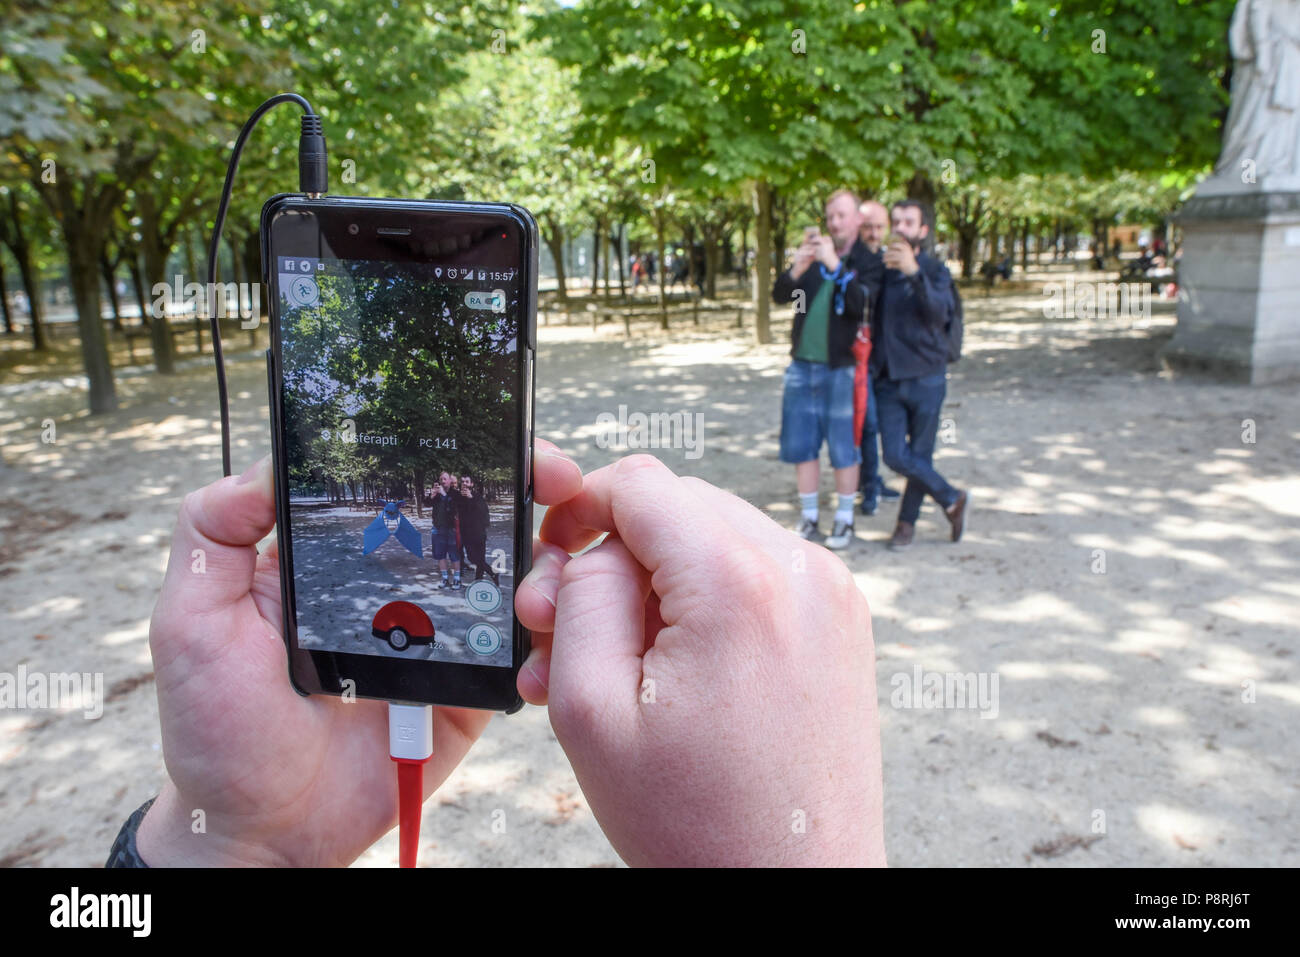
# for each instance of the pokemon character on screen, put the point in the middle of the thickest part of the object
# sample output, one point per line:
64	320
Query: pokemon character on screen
391	521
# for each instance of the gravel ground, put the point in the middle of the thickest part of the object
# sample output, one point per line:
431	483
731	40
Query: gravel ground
1126	597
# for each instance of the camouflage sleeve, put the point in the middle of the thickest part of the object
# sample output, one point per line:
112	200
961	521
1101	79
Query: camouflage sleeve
124	852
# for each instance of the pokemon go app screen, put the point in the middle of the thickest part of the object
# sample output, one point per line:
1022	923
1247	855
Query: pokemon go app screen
399	411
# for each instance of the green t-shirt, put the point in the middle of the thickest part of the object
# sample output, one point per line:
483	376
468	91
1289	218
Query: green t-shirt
814	338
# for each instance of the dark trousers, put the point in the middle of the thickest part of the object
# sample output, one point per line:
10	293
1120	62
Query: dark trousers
869	479
475	549
909	424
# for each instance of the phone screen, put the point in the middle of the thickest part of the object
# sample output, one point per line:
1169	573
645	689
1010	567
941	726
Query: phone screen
400	402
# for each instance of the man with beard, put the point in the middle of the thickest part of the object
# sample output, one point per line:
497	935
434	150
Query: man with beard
474	521
913	309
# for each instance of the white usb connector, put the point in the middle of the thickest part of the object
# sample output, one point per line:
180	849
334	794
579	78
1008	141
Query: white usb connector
410	731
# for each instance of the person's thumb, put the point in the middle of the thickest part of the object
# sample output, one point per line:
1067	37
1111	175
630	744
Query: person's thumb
213	556
599	640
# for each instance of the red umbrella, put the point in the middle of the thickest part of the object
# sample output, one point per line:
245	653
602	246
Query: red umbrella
861	352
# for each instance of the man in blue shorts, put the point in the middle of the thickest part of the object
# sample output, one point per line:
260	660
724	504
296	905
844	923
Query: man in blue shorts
446	550
828	283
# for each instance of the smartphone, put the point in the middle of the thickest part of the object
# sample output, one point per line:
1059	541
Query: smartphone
899	237
810	233
403	336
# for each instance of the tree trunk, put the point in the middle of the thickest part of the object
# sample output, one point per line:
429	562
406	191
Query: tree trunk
22	252
712	258
106	270
32	287
776	225
137	283
4	301
156	249
1024	243
595	256
688	233
744	252
762	199
554	238
605	239
966	239
660	229
921	187
253	273
191	264
83	257
622	261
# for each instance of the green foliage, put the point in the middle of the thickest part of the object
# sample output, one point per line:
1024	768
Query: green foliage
376	353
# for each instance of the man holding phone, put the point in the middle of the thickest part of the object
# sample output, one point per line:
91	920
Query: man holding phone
909	325
446	550
829	283
474	521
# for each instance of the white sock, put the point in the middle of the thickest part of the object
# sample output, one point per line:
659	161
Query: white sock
808	501
844	508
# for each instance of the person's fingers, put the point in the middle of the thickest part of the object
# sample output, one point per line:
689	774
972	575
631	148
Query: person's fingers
567	524
266	586
746	519
647	505
535	675
595	668
705	573
535	607
213	557
536	594
556	477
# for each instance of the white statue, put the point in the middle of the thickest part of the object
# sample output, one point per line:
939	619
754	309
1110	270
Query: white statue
1261	141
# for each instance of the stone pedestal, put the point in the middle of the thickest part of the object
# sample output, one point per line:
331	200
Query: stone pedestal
1239	285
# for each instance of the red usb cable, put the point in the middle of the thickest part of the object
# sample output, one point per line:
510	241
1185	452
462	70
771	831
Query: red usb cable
410	745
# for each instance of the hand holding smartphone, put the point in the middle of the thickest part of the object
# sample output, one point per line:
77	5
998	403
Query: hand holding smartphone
806	254
901	252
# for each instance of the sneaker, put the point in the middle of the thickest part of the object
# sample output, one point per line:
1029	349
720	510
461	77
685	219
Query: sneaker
868	507
456	585
808	530
841	535
902	538
888	494
442	583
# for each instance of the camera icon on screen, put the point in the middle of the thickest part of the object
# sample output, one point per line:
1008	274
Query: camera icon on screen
483	596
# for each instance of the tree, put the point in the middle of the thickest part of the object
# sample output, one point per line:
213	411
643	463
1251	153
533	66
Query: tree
25	243
94	97
726	96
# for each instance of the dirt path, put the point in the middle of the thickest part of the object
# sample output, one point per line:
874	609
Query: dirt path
1131	578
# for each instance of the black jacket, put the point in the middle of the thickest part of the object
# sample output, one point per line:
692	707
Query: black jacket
443	511
867	268
473	517
909	319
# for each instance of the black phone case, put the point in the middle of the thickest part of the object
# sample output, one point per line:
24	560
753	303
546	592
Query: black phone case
522	639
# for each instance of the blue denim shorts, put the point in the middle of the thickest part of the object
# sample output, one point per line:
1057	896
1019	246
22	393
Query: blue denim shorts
818	407
444	545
